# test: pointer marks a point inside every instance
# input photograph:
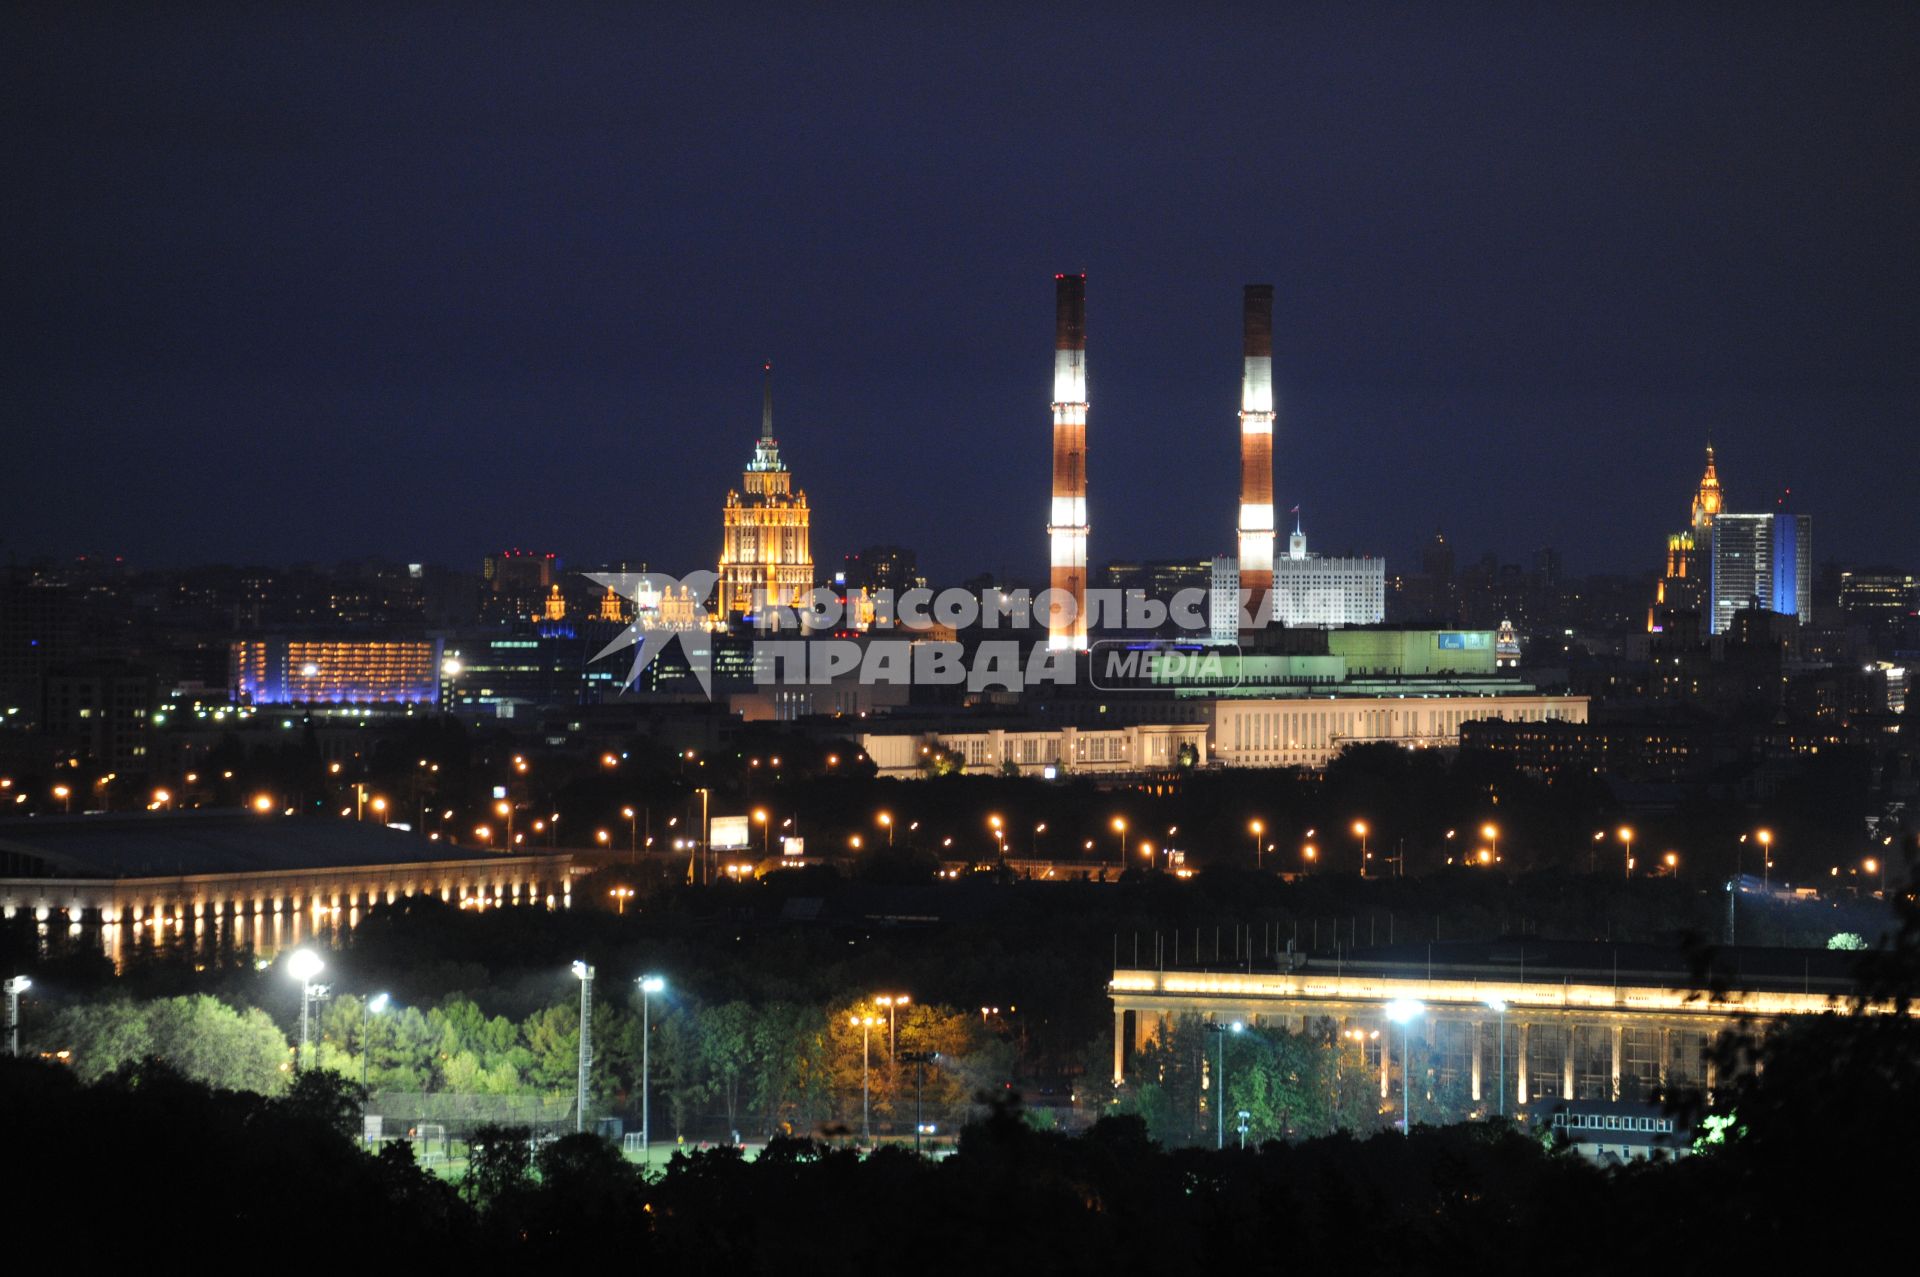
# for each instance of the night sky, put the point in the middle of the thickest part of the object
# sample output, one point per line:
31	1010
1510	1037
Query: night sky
288	286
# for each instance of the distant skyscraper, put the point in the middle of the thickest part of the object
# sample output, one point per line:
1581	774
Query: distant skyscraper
516	584
882	567
765	549
1067	518
1764	560
1683	586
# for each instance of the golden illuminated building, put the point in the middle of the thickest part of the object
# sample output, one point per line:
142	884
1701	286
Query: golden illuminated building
556	607
1682	587
764	553
612	608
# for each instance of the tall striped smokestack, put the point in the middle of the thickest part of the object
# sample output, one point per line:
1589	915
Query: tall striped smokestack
1256	455
1067	520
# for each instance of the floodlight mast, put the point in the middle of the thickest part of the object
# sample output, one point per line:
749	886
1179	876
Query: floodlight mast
583	972
15	986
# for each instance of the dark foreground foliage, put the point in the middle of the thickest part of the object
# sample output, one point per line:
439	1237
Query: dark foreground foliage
149	1154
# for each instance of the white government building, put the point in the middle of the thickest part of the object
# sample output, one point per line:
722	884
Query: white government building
1310	591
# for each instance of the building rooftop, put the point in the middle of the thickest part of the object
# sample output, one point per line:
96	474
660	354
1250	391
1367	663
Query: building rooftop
156	844
1587	962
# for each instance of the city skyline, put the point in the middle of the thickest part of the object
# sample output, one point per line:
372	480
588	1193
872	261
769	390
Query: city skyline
537	321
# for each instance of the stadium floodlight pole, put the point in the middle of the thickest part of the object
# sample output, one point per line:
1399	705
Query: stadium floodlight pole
583	972
1220	1078
649	985
920	1060
16	985
303	965
372	1006
1404	1012
1500	1082
866	1023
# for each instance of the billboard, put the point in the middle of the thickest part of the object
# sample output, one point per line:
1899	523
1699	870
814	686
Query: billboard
730	833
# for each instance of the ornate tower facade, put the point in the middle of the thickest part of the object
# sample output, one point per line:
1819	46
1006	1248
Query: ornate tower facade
765	552
1683	586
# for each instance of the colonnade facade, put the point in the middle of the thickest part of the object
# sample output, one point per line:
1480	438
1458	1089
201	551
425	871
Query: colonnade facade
309	898
1485	1041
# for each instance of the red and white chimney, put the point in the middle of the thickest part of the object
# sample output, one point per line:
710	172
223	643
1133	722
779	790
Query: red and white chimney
1067	519
1256	456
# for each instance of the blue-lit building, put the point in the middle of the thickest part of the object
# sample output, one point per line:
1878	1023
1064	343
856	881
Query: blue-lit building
1763	560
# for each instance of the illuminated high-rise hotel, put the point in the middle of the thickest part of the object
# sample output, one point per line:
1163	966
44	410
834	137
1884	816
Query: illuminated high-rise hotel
1067	516
1683	586
764	551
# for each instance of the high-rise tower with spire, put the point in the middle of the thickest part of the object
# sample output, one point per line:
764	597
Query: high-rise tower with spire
765	554
1683	586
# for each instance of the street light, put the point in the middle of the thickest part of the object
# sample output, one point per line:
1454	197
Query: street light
583	972
633	831
886	822
16	985
1256	829
760	818
65	795
1220	1077
999	828
1626	839
1403	1012
1120	828
1766	859
865	1024
1499	1005
303	965
1872	865
263	803
1360	831
890	1002
649	985
1491	832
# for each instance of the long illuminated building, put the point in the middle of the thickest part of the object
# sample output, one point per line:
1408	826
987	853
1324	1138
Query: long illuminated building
1256	454
1067	520
301	671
